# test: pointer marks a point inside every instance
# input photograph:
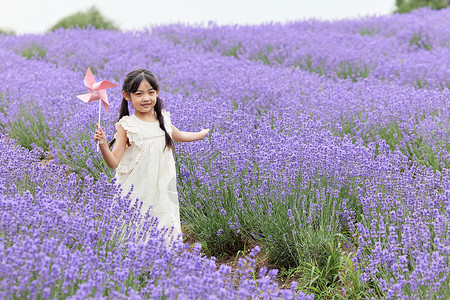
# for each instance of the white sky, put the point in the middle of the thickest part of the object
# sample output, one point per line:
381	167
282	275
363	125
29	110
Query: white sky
36	16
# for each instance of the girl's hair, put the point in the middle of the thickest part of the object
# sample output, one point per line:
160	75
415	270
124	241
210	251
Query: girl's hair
131	85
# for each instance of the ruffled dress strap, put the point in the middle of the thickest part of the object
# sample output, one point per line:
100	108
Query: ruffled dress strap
132	130
167	121
135	151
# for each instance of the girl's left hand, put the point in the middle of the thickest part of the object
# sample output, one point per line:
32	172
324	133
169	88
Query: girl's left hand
204	132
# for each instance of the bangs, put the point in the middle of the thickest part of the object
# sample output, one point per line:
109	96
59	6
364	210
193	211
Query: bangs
134	84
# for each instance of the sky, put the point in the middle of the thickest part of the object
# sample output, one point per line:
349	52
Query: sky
37	16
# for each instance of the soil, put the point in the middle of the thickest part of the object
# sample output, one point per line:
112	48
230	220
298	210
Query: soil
46	161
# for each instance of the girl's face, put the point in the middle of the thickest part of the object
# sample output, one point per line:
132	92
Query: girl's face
144	99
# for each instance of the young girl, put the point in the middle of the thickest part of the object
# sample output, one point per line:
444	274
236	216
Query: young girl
142	155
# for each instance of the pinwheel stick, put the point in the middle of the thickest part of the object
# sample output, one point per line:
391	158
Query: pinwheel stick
99	113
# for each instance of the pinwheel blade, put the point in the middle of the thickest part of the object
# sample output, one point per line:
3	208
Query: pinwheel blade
105	84
85	97
104	98
89	79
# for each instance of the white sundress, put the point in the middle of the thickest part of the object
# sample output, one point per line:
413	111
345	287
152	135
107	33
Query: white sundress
150	168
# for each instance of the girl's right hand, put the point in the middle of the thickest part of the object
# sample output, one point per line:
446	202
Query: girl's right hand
100	136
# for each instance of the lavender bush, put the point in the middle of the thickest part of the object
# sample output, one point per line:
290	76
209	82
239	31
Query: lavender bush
327	154
60	238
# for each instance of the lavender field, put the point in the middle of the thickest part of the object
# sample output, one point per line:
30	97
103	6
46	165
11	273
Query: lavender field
329	149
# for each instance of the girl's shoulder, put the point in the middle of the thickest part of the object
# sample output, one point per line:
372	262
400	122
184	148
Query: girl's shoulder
124	119
128	123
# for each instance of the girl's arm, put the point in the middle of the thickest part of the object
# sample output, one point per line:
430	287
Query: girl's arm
112	158
182	136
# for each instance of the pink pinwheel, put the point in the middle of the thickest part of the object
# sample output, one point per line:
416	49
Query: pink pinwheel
97	91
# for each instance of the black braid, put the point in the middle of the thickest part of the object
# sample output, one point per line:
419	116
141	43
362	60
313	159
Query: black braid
157	108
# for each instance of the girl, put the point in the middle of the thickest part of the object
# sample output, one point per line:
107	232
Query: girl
142	155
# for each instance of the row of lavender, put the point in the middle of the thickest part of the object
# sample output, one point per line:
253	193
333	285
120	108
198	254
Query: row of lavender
410	48
267	170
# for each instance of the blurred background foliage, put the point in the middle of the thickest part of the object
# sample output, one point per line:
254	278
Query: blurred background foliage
7	32
405	6
90	17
